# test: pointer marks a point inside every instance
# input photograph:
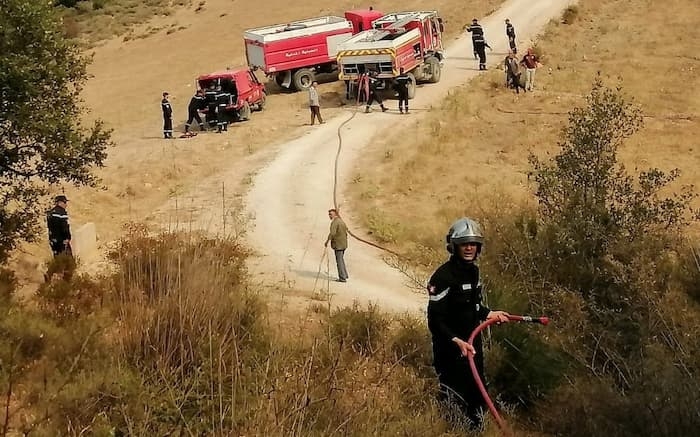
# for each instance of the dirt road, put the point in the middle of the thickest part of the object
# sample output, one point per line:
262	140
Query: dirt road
290	196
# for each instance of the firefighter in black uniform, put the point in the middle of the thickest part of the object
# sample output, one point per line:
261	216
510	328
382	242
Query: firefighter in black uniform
59	228
401	86
454	311
167	117
479	42
223	100
510	33
374	92
210	99
197	103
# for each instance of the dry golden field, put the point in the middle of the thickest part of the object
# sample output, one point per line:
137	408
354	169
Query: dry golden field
471	152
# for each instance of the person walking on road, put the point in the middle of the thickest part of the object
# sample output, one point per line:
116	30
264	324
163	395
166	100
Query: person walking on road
510	33
530	62
338	237
59	228
197	103
479	42
512	67
314	105
401	85
167	116
374	92
455	309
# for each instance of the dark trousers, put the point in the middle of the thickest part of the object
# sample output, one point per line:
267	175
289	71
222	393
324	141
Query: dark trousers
221	120
403	100
193	115
515	80
480	49
374	97
340	264
315	113
511	42
167	127
458	390
58	248
211	115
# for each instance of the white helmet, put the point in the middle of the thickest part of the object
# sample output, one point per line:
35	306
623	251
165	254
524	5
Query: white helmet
464	230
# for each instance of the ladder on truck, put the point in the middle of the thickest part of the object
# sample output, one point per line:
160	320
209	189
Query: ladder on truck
396	26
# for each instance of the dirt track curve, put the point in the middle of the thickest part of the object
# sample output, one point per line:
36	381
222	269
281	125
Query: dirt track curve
290	196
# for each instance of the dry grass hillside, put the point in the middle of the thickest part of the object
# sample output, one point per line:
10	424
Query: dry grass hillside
471	153
143	171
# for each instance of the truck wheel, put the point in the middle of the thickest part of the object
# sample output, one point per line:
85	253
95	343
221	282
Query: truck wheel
302	78
244	112
411	86
435	70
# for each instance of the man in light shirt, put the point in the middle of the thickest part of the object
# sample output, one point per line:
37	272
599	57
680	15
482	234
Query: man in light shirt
314	104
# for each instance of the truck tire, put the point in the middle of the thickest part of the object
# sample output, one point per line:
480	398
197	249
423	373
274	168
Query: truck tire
244	112
411	86
302	78
435	69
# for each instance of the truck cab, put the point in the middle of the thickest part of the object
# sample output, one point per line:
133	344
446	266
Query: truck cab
247	93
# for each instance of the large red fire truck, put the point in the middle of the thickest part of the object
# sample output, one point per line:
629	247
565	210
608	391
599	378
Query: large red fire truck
295	52
412	40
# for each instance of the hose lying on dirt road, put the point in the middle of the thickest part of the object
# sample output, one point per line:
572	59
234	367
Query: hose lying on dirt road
475	372
335	181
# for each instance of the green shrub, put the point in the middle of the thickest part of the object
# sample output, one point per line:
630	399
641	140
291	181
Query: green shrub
410	342
362	329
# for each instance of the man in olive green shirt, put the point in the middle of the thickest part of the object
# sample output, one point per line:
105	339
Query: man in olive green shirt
338	237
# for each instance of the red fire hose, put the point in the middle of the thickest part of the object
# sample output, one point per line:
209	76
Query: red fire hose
475	373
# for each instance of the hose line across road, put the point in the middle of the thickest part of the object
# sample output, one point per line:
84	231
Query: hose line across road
308	174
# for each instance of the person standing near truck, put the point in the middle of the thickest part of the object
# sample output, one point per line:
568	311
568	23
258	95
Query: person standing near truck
401	84
210	99
314	104
374	92
510	33
479	42
197	103
223	100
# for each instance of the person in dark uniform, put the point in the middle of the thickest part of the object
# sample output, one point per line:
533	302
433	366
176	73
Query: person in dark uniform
374	92
210	99
223	100
510	33
455	309
197	103
59	228
479	43
401	86
167	117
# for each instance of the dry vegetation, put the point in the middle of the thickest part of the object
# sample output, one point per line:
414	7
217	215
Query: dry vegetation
477	143
176	343
96	20
619	277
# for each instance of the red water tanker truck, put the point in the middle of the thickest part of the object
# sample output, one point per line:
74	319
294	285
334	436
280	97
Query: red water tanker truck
293	53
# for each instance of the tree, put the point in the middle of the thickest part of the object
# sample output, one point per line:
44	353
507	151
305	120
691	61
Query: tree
588	202
42	140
